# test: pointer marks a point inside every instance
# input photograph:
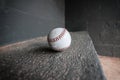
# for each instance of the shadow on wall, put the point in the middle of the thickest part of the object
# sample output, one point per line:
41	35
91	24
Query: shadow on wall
26	19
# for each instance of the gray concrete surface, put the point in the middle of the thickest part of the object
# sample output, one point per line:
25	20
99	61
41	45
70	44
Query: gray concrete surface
34	60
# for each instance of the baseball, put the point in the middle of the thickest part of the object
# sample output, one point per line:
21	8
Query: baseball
59	39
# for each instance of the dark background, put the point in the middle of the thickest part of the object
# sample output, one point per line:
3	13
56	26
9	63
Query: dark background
101	18
25	19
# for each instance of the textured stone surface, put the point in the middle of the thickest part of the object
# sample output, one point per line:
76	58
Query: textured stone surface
34	60
106	37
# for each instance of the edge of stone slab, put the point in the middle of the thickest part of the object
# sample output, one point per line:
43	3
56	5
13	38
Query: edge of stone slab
33	40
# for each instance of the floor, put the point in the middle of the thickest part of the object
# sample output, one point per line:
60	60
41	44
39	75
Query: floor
111	67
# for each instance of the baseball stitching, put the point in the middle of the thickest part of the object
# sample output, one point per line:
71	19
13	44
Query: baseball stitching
58	37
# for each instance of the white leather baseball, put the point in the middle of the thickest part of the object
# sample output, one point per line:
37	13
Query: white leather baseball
59	39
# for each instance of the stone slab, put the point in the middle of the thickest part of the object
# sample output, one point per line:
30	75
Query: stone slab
34	60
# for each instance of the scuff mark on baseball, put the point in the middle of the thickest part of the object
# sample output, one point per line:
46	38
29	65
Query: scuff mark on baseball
59	39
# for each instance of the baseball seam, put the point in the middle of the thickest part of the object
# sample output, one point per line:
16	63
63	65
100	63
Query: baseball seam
58	37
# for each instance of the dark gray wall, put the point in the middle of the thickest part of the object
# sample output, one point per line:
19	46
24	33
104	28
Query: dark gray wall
25	19
101	18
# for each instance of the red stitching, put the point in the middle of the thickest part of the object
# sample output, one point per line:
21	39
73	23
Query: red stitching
58	37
